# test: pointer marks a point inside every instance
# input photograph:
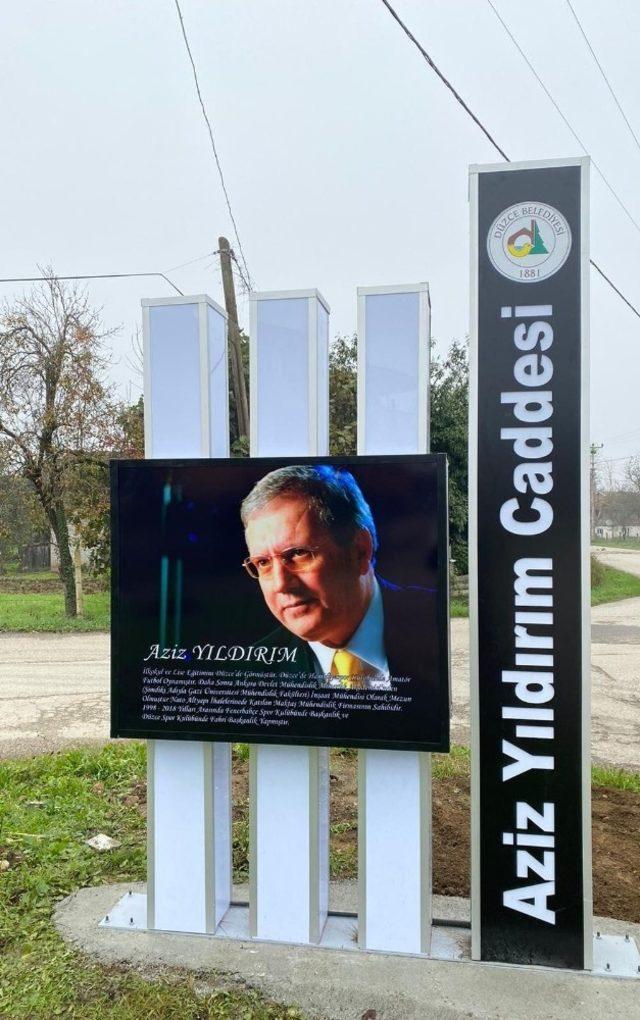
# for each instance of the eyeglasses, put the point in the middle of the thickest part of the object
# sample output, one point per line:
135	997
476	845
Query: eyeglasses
297	559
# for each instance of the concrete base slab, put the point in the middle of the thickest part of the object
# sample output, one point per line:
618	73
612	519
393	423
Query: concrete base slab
342	983
449	942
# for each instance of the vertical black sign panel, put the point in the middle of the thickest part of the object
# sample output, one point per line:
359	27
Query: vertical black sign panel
530	564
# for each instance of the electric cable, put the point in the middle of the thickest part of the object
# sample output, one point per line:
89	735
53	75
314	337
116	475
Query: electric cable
211	254
200	258
443	79
485	131
559	111
613	287
89	276
621	436
213	144
602	72
616	460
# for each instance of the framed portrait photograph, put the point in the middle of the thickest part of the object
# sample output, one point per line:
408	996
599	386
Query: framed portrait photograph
288	601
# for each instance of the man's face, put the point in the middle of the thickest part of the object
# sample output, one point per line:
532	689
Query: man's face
326	602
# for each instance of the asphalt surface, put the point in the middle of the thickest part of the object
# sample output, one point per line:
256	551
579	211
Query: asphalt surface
54	688
54	692
615	683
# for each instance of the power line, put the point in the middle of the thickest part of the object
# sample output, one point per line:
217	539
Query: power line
484	130
601	69
212	254
616	460
89	276
625	437
246	283
622	435
443	79
213	144
613	287
564	118
200	258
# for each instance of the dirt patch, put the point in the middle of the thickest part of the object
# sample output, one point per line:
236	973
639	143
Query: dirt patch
616	836
615	819
240	798
616	853
451	836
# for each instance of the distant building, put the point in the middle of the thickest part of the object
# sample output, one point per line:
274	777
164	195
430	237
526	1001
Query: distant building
85	554
610	530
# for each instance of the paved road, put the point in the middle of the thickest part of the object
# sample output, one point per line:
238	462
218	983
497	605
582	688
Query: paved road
615	683
54	691
54	688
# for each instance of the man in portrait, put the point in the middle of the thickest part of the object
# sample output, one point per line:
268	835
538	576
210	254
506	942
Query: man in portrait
312	546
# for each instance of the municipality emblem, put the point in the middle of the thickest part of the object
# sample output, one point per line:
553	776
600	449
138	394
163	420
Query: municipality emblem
529	242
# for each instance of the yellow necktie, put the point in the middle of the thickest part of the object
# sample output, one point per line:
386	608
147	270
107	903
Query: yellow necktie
351	670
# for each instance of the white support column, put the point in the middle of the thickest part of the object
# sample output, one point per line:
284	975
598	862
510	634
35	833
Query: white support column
394	787
189	782
289	786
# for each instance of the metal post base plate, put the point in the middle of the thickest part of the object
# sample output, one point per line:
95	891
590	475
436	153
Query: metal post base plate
613	955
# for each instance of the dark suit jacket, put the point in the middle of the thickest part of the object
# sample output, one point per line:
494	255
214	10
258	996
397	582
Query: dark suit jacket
413	651
406	614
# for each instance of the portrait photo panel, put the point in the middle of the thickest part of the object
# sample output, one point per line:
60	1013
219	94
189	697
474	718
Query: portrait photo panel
281	601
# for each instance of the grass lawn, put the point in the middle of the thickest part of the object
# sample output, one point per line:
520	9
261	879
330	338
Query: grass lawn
458	763
48	807
459	607
615	585
38	612
616	543
45	612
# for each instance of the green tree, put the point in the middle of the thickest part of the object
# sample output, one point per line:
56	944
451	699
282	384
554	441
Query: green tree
449	428
22	521
449	434
342	396
55	406
87	491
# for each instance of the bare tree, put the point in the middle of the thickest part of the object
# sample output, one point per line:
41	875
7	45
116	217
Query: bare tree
55	406
632	474
607	479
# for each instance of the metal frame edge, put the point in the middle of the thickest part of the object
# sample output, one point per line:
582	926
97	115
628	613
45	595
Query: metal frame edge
476	913
362	850
254	750
587	867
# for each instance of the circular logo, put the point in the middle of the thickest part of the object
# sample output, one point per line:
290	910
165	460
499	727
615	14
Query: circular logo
529	242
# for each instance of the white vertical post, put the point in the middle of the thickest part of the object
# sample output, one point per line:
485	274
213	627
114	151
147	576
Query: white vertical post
394	787
289	786
189	782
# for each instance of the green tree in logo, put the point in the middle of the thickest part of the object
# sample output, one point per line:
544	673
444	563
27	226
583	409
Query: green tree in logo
538	243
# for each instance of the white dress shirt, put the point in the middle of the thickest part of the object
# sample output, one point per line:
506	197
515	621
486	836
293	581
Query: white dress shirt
367	643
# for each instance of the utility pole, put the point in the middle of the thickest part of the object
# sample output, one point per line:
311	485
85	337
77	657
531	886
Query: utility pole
595	447
237	373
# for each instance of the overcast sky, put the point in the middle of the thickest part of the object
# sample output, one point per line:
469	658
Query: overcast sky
345	157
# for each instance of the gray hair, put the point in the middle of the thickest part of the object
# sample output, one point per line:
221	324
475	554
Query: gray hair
333	493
